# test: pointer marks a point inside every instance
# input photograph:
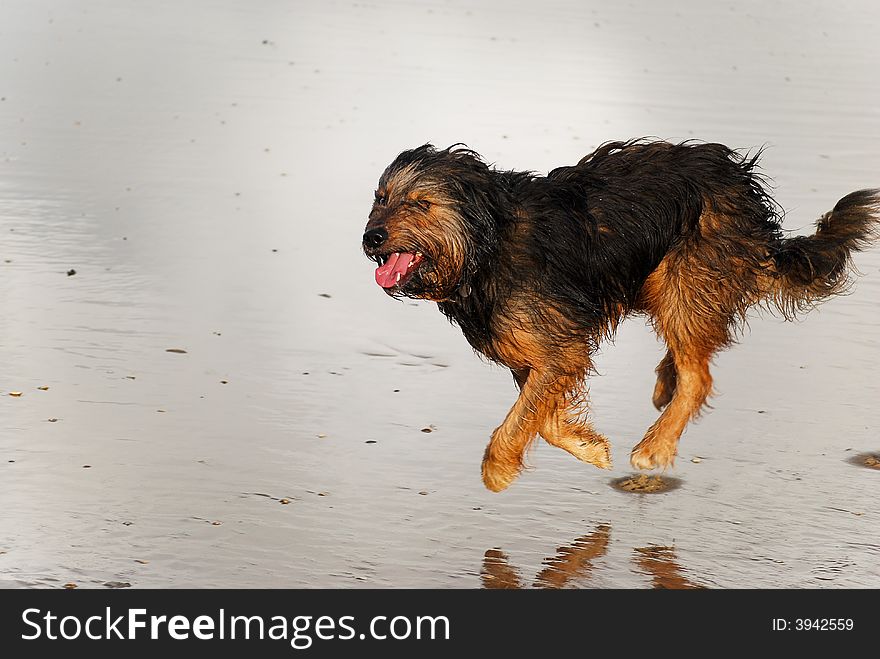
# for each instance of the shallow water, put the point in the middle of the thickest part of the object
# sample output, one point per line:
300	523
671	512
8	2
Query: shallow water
206	169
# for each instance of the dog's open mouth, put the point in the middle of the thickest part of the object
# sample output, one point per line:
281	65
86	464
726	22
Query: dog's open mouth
396	269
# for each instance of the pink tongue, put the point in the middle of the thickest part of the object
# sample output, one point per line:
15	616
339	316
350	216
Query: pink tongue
389	274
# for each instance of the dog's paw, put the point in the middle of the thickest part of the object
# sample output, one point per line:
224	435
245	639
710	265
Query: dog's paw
653	455
595	451
497	475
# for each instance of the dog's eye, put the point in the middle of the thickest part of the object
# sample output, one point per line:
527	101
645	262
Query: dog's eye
381	199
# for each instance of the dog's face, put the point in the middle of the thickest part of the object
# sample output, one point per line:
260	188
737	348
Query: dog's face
419	232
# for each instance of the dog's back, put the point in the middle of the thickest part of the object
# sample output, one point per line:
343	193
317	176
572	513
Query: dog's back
621	210
700	208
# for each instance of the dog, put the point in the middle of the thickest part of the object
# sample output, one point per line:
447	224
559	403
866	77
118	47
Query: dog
538	270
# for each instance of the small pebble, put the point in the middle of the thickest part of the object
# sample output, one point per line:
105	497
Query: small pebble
71	273
216	523
284	501
696	460
15	394
70	586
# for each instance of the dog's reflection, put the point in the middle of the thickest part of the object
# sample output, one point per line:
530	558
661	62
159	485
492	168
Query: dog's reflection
661	565
570	562
575	562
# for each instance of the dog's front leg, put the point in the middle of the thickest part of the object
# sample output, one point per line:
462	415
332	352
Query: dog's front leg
503	459
566	426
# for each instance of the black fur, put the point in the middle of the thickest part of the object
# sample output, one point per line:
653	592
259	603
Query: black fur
582	240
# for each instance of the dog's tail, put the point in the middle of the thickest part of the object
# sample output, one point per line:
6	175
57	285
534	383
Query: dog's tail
811	268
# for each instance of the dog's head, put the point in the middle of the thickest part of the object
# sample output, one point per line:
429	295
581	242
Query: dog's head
431	219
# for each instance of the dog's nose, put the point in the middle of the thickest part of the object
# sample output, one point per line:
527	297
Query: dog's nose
375	237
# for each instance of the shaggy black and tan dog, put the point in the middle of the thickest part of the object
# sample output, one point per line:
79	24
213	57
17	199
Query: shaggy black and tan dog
538	270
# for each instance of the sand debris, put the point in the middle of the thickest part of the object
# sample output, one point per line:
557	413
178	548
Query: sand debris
645	484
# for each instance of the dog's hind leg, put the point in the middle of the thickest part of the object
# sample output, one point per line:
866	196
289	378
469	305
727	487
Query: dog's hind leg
503	459
693	311
666	381
694	385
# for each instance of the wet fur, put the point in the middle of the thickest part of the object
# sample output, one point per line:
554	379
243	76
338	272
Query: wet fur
538	270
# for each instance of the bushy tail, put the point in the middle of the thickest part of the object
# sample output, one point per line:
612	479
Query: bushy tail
811	268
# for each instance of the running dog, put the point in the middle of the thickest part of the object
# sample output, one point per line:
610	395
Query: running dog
538	270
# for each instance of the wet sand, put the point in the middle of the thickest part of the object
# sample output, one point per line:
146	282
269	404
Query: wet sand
206	170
